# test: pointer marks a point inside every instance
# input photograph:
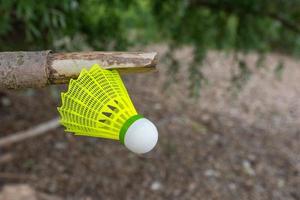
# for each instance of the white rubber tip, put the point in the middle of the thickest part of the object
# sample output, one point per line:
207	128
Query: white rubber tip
141	137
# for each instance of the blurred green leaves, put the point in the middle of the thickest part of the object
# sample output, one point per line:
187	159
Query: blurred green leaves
30	24
39	24
116	24
229	25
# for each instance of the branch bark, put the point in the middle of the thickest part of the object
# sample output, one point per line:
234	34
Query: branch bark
38	69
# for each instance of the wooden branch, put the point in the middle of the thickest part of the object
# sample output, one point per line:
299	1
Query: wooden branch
32	132
38	69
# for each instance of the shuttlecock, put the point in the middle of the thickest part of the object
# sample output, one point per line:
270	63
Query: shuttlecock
97	104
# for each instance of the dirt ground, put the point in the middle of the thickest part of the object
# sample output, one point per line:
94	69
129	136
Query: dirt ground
220	146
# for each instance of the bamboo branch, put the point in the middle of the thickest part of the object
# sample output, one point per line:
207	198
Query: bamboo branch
38	69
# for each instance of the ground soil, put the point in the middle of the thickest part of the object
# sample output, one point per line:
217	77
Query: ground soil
223	145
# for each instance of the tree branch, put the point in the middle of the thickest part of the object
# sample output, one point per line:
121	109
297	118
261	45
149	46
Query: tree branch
38	69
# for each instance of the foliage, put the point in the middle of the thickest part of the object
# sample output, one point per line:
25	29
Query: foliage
30	24
230	25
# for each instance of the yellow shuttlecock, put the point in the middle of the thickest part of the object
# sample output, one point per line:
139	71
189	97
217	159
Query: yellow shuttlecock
97	104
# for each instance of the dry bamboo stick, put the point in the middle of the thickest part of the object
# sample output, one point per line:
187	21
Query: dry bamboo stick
40	68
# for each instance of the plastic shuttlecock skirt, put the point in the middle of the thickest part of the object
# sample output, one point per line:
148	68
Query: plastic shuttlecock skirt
97	104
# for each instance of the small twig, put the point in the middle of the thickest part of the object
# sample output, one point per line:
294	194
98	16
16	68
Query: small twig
6	158
7	175
32	132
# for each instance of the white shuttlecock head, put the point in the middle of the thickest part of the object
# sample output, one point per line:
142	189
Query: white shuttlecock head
141	136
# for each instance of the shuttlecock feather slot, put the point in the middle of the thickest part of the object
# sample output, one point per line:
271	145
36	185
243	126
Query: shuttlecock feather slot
97	104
